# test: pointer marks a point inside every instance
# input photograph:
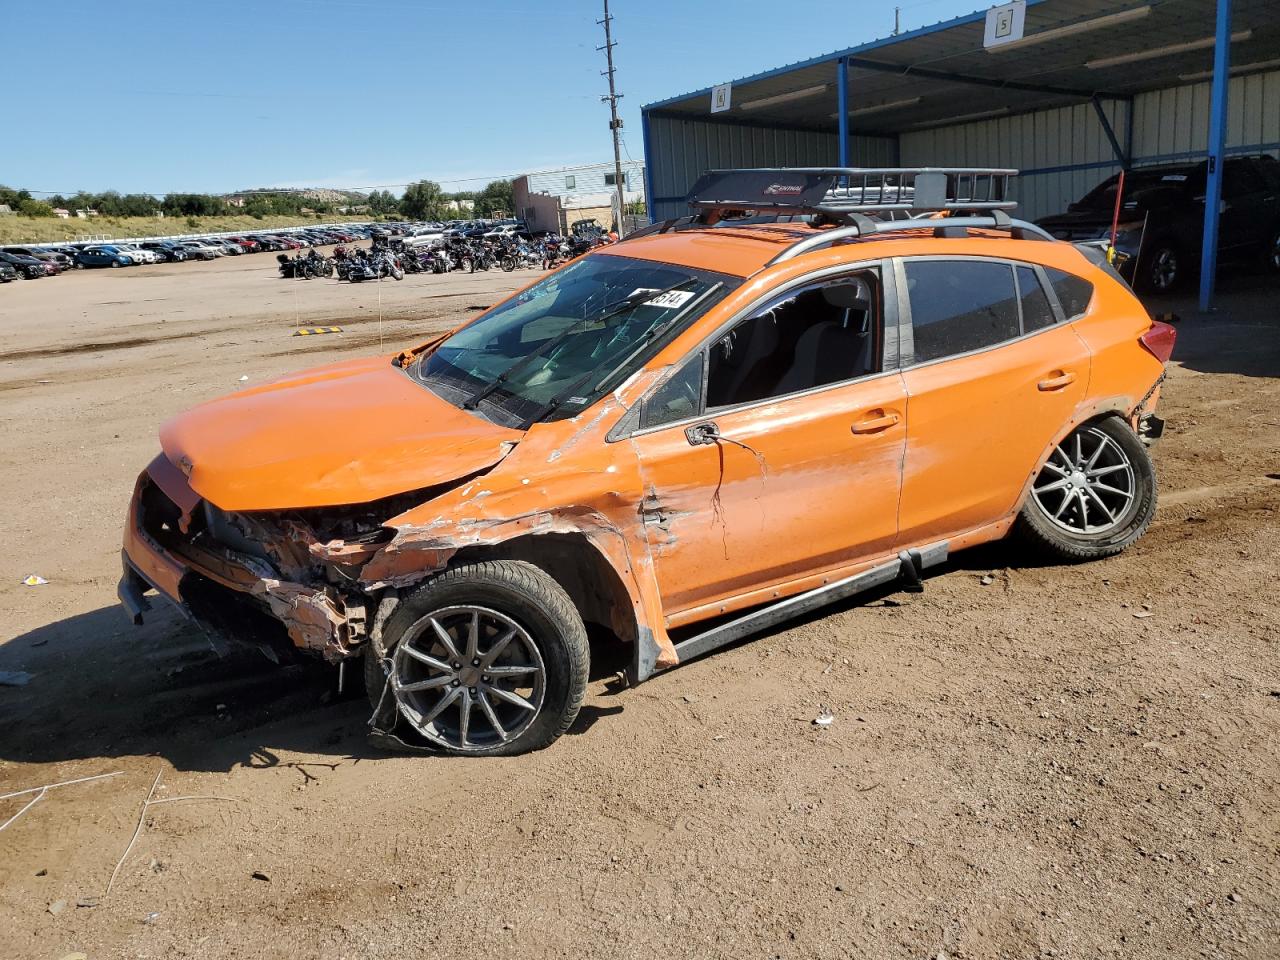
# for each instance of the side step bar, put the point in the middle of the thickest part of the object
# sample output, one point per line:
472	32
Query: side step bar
908	568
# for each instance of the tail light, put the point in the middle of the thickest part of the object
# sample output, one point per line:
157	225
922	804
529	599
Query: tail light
1158	341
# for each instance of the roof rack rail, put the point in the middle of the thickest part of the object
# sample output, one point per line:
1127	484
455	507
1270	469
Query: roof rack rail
836	193
942	227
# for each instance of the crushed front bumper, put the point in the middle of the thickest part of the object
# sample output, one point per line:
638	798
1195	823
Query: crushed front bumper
238	597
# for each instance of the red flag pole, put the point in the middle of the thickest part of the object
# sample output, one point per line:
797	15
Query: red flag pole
1115	219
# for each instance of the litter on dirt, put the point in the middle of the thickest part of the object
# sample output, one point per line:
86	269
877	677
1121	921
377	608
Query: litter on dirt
259	875
824	719
1142	614
57	907
34	580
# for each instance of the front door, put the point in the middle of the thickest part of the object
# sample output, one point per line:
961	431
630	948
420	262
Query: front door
776	451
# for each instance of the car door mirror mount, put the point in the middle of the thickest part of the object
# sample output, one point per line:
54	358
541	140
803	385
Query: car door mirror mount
702	434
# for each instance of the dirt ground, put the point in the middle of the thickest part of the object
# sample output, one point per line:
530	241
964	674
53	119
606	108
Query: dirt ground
1063	761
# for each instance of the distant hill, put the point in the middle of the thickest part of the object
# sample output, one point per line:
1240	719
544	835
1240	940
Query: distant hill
320	194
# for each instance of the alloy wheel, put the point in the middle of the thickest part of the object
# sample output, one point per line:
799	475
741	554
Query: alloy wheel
468	678
1088	485
1164	271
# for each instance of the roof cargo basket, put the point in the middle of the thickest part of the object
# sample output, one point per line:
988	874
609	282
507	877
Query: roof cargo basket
856	201
835	193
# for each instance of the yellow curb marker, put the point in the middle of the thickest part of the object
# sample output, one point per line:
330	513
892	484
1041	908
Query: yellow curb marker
315	331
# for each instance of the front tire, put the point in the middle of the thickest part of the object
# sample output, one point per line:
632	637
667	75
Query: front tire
487	659
1093	497
1272	254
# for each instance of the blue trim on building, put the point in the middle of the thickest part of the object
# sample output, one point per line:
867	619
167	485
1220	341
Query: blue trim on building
648	166
1217	142
1121	154
975	17
842	108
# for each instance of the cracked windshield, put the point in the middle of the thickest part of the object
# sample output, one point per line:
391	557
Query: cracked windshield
551	350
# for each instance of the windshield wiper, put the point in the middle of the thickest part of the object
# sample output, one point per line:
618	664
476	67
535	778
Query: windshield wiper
650	335
639	298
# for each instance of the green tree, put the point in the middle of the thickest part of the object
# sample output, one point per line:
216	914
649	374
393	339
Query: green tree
34	208
495	200
423	200
381	202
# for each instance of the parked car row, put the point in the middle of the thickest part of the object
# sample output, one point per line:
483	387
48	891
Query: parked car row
29	262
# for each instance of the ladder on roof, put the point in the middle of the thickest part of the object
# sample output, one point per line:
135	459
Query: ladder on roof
835	192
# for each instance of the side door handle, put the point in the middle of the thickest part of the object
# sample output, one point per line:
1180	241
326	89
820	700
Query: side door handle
1056	382
876	424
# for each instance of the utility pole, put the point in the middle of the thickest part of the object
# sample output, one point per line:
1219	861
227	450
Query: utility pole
897	21
614	123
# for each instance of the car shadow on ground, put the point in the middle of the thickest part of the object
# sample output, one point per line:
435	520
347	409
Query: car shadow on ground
100	687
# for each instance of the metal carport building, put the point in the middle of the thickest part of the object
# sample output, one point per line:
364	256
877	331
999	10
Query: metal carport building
1093	86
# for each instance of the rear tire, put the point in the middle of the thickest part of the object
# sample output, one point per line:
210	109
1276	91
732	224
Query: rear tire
1163	268
539	669
1094	496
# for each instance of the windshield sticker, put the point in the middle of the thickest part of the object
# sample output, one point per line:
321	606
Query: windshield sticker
668	301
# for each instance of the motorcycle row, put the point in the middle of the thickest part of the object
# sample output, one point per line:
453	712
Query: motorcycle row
394	258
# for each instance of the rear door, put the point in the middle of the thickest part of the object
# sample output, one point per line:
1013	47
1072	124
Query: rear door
775	452
993	373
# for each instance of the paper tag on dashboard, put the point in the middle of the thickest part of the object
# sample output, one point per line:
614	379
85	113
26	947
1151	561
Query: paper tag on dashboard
668	301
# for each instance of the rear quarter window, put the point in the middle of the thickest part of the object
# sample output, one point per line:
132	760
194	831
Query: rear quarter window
1073	293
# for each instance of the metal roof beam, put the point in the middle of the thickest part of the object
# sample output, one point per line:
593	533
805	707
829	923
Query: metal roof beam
731	121
1111	134
927	73
717	120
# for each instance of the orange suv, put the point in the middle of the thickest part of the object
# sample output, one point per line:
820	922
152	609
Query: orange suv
820	382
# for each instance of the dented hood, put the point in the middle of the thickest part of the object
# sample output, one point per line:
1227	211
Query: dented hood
340	434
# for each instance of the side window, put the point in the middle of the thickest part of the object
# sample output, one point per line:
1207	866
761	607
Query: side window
570	182
1270	171
1072	292
1240	179
679	398
1036	312
960	305
813	336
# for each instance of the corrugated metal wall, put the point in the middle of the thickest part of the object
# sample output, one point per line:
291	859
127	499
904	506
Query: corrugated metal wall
682	150
1062	152
1170	124
1043	141
587	179
1175	122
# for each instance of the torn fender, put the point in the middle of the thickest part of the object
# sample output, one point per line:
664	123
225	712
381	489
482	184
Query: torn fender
416	552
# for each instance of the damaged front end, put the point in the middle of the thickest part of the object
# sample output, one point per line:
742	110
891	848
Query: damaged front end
282	581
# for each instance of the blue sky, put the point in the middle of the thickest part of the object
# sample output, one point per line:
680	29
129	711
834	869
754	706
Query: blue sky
159	96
